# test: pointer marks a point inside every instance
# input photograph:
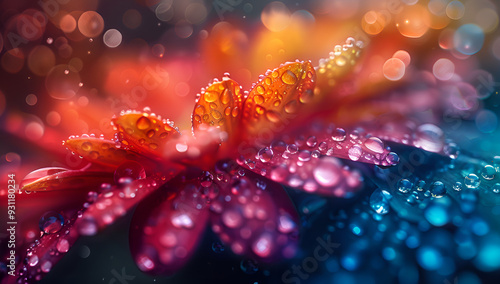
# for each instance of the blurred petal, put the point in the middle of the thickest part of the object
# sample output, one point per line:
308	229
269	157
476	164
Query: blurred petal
145	133
47	179
220	106
166	228
253	216
115	202
278	97
102	151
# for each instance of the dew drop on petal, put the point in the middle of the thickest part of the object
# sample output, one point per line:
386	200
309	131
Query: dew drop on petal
429	137
375	145
33	260
265	155
438	189
457	186
289	77
46	266
404	185
327	173
496	188
62	246
355	152
379	201
51	222
339	135
472	181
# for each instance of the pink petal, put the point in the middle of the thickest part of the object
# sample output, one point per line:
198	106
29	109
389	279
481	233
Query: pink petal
253	216
167	226
115	202
47	251
309	162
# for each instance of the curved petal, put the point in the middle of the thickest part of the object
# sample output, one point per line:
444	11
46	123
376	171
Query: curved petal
145	133
102	151
220	106
115	202
48	179
166	227
278	97
49	249
255	217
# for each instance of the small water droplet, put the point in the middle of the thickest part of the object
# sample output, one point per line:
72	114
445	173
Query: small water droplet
312	141
452	150
429	137
339	134
206	179
62	246
355	152
143	123
218	247
249	266
33	260
496	188
51	222
404	185
46	266
488	172
265	155
289	77
379	201
457	186
292	148
420	185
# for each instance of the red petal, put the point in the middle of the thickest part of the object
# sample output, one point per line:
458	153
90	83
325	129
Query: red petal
278	97
103	151
115	202
219	106
144	133
166	228
255	217
48	251
47	179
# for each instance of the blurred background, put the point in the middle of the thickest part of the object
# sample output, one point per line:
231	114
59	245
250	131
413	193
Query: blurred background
68	66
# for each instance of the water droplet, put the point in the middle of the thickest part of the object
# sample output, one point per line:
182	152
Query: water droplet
438	189
289	77
375	145
273	116
392	158
496	188
452	150
488	172
286	224
87	227
379	201
420	185
33	260
327	173
304	156
339	135
51	222
429	137
249	266
263	245
312	141
145	263
206	179
143	123
292	106
218	247
129	169
46	266
355	152
258	99
292	148
86	146
457	186
404	185
265	155
472	181
211	96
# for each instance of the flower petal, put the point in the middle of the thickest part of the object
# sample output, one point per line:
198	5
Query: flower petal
220	106
166	228
145	133
47	179
278	97
114	203
255	217
102	151
49	249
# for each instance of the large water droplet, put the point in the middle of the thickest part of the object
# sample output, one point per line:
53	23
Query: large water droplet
51	222
488	172
289	77
438	189
339	135
379	201
429	137
143	123
375	145
472	181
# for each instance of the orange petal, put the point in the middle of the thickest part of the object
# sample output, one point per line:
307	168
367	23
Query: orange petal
219	105
48	179
101	151
278	97
144	133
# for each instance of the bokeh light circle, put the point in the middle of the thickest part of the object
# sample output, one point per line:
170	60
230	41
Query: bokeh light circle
112	38
275	16
394	69
468	39
91	24
62	82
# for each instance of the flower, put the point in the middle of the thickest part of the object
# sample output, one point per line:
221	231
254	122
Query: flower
226	172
